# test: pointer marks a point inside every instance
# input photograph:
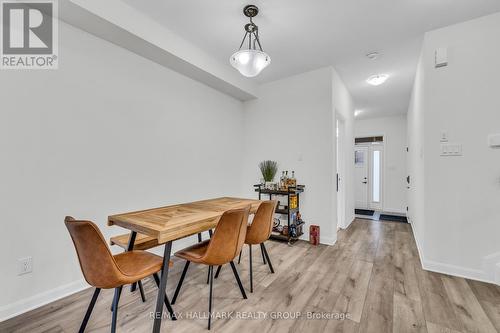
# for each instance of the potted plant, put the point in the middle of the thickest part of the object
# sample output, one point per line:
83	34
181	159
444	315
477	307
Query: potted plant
268	170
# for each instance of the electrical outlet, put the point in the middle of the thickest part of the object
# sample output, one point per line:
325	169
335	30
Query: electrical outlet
24	265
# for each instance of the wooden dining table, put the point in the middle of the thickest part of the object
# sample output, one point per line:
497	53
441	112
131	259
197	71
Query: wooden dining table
170	223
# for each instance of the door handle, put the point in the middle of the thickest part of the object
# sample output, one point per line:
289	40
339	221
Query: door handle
365	182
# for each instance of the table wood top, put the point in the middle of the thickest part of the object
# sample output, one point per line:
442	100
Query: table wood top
178	221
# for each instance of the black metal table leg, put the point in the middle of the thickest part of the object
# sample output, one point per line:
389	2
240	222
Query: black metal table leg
199	237
167	302
239	258
130	247
161	289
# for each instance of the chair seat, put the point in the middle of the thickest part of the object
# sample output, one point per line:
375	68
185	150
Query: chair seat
136	265
195	252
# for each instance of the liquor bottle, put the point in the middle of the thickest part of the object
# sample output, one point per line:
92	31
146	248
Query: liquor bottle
286	179
293	181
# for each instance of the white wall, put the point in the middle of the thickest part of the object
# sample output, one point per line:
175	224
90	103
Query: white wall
395	135
292	122
458	230
107	132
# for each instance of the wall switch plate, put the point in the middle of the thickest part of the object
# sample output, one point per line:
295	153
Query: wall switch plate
24	265
451	149
441	57
494	140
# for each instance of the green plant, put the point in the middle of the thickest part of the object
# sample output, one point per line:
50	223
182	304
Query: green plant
268	169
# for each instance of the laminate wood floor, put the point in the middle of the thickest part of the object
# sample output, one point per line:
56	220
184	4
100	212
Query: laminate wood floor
370	281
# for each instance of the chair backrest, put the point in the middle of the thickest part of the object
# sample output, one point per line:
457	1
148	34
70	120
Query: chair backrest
96	261
228	238
262	224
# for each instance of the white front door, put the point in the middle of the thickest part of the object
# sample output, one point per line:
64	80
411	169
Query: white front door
361	177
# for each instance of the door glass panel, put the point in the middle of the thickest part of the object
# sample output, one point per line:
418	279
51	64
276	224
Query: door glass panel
376	176
359	158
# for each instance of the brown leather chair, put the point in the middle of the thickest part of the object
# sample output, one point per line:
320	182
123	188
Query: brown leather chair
257	233
142	242
222	248
103	270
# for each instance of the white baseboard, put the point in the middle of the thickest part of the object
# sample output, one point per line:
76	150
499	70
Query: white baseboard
393	210
328	240
463	272
490	266
36	301
439	267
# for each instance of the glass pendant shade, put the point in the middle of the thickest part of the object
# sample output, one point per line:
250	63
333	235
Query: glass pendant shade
250	62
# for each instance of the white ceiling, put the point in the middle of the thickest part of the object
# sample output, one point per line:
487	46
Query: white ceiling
302	35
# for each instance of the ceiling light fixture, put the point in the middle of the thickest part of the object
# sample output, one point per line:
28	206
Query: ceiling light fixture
373	55
376	80
250	62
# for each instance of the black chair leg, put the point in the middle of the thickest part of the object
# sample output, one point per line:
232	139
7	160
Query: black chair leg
267	256
262	252
89	310
111	308
237	276
251	273
208	276
167	303
239	258
116	299
210	233
141	290
199	237
218	271
211	274
179	285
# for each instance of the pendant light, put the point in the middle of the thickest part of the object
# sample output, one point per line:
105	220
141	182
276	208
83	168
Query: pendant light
250	62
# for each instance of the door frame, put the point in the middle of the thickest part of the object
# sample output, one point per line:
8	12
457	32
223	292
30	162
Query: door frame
341	172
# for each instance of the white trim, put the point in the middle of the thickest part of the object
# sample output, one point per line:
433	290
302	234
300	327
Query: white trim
328	240
41	299
463	272
439	267
491	267
393	210
419	248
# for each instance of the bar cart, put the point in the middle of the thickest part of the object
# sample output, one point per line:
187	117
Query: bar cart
295	225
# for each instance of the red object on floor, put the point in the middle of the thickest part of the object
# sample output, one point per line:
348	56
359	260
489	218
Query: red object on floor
314	234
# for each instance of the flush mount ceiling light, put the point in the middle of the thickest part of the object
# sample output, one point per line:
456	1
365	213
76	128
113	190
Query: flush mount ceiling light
357	113
250	62
373	55
376	80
